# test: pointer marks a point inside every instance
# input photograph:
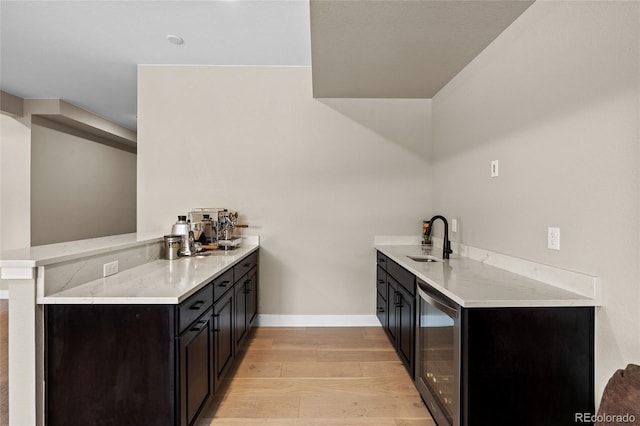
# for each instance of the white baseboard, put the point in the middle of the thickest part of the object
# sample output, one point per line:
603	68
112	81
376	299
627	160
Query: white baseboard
266	320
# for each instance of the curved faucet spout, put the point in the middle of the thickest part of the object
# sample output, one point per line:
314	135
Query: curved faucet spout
446	244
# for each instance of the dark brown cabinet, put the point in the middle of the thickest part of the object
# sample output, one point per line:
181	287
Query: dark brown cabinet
146	364
251	289
246	304
224	337
196	368
396	301
381	296
405	314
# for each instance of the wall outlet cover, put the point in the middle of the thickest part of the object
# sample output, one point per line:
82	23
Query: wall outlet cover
110	268
553	238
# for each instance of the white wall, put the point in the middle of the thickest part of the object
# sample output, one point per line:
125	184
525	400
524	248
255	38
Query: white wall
556	99
81	187
316	179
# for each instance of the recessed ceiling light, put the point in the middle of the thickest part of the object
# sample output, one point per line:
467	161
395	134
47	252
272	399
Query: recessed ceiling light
175	39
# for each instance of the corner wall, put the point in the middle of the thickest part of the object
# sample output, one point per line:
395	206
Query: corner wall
556	99
315	178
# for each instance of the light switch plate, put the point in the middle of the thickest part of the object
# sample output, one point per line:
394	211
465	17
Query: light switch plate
495	172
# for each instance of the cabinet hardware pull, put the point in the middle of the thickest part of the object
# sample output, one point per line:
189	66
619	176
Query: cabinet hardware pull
381	309
217	317
397	299
247	286
246	265
223	284
380	281
199	325
197	305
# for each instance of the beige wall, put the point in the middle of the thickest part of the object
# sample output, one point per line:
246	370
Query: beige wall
80	188
316	179
15	149
556	100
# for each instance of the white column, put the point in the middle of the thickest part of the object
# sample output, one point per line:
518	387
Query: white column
26	349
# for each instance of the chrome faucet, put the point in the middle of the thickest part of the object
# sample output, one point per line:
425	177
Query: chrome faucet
446	244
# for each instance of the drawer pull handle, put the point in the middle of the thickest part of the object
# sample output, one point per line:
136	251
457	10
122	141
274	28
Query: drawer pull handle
217	317
381	309
397	299
223	284
199	325
197	305
380	281
246	265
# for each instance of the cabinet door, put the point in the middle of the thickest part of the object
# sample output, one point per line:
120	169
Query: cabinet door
105	356
196	368
381	308
406	329
393	296
240	302
223	334
251	287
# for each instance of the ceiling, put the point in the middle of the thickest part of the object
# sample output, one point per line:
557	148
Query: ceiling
400	49
86	51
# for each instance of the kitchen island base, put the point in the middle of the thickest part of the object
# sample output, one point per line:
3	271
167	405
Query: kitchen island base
139	364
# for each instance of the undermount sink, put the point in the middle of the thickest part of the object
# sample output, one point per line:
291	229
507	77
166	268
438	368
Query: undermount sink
424	258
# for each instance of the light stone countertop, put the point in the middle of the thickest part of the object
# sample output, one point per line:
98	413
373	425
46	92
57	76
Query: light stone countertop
474	284
158	282
62	252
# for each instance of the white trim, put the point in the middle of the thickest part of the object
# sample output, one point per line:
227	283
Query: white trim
4	294
18	273
267	320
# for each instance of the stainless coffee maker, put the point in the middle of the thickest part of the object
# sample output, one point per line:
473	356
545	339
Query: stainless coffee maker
189	234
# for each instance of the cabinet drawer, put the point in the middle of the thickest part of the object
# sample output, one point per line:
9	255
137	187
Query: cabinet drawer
221	284
245	266
381	282
381	260
193	307
404	277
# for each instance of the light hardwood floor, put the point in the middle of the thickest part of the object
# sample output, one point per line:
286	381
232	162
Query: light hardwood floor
4	365
318	377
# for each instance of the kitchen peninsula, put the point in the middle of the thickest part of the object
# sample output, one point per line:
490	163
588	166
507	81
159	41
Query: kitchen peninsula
67	274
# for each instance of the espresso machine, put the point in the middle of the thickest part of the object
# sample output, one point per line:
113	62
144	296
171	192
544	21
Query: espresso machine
218	226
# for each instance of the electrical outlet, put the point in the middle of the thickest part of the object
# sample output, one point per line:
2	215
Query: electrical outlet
494	168
454	225
110	268
553	238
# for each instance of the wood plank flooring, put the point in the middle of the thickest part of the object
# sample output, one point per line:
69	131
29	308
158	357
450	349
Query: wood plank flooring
318	377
